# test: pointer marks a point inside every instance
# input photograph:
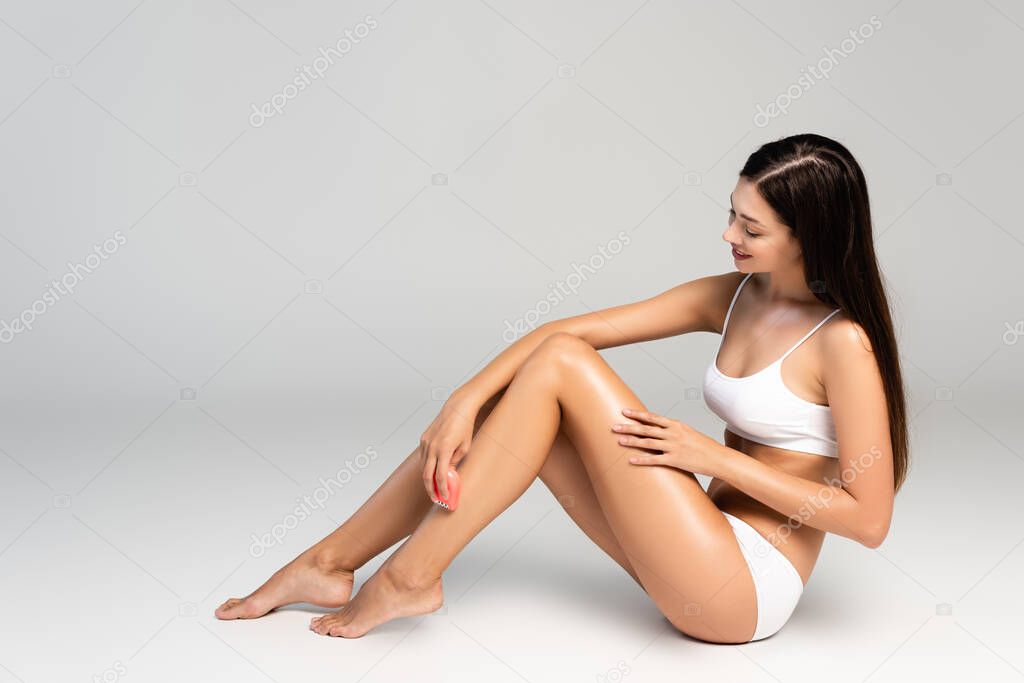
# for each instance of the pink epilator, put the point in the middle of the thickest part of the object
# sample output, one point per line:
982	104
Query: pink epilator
454	486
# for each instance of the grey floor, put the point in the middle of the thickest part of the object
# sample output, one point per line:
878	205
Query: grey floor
122	575
292	294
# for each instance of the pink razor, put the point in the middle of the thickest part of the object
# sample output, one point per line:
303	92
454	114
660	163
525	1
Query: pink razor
454	487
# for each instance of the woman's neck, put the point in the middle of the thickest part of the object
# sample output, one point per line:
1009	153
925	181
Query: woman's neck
786	287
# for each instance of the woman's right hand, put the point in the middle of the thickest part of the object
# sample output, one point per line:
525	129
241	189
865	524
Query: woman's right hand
446	442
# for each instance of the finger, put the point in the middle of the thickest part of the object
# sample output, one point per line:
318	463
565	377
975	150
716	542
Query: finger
637	428
460	454
637	442
441	474
437	454
646	460
428	477
646	416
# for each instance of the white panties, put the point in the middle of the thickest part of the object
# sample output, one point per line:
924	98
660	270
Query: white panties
776	580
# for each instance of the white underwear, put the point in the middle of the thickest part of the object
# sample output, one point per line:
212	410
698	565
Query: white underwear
776	580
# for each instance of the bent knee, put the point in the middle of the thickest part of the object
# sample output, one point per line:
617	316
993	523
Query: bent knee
559	347
553	359
555	351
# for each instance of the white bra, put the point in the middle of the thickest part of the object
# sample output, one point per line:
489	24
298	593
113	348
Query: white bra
761	408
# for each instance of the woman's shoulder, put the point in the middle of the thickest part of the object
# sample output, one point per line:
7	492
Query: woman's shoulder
845	334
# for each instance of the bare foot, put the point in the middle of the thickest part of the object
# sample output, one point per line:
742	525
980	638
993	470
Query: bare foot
310	577
384	596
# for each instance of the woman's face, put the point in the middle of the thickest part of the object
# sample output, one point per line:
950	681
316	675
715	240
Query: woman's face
755	230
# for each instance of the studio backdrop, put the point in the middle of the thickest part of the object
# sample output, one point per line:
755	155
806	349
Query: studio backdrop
248	248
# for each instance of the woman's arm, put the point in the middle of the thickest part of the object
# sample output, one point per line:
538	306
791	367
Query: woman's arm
828	507
859	503
684	308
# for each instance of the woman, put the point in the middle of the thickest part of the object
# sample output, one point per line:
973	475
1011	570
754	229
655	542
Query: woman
813	445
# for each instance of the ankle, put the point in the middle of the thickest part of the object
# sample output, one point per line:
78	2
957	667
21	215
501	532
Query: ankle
329	558
409	578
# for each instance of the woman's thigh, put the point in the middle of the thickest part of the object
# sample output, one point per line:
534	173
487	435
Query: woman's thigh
680	544
566	477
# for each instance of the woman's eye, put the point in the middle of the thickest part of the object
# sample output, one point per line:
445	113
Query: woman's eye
732	216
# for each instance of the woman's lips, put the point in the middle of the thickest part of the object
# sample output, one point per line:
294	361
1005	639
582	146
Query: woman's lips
739	255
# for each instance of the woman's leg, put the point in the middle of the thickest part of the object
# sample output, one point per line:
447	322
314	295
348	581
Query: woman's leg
676	539
395	510
323	574
567	479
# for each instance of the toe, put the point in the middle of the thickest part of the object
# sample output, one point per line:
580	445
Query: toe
340	630
226	607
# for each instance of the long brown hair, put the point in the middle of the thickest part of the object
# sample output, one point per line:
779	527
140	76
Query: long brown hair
817	188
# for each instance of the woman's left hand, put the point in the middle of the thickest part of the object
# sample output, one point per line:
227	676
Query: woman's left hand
680	445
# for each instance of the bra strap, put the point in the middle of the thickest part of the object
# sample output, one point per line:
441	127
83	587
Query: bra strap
735	296
804	338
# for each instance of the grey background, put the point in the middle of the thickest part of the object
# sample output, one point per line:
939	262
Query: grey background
292	294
